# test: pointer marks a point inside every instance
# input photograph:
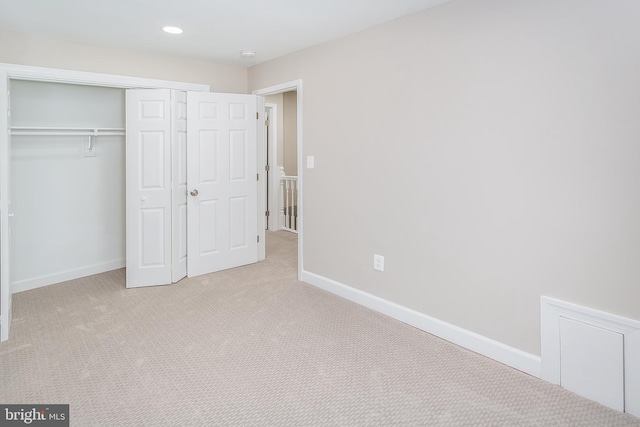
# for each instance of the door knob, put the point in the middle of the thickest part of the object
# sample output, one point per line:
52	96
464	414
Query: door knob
194	193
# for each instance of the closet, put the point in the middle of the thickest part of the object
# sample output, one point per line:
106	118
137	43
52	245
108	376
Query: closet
67	182
95	176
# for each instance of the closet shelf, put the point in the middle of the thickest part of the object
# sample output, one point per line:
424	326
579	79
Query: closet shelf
62	131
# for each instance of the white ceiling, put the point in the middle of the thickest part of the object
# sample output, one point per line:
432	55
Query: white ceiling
213	29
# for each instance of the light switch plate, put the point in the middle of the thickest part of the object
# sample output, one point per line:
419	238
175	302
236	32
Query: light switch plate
378	262
310	162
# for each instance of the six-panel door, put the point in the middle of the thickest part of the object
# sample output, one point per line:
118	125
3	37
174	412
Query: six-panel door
222	181
148	187
191	184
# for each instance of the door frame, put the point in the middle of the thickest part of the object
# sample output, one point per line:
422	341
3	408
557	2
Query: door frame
5	161
26	72
274	90
272	161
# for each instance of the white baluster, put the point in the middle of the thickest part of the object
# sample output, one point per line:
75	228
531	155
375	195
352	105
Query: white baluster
294	211
288	203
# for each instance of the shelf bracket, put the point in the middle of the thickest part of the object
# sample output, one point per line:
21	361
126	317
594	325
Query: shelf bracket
90	145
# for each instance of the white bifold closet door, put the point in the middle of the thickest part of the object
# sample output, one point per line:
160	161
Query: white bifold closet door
222	179
191	184
179	185
148	188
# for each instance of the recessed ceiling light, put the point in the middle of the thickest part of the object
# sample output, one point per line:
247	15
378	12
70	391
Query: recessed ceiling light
172	30
247	54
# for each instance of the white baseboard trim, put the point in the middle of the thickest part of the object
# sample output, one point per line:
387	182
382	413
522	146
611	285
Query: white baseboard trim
498	351
63	276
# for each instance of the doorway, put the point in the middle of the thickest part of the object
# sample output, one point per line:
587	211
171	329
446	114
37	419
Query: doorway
282	191
293	90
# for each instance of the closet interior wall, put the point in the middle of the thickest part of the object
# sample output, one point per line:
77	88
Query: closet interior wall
68	198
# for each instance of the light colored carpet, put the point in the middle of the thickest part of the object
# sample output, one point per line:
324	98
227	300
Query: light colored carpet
253	346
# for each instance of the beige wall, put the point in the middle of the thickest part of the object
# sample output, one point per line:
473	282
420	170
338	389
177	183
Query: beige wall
290	107
489	150
21	49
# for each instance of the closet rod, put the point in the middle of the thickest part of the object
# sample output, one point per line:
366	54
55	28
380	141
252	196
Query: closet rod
66	131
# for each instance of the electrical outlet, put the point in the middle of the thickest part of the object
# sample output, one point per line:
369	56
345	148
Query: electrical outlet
378	262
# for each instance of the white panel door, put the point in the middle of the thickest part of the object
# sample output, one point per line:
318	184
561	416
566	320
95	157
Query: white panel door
148	187
179	185
222	181
5	209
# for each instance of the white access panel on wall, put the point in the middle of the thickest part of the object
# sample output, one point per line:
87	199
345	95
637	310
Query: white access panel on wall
591	352
222	181
592	362
148	188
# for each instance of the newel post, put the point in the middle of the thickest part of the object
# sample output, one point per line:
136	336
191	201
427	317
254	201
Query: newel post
281	217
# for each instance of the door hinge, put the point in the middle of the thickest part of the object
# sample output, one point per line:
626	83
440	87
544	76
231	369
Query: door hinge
267	123
257	115
257	177
258	238
266	213
267	168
